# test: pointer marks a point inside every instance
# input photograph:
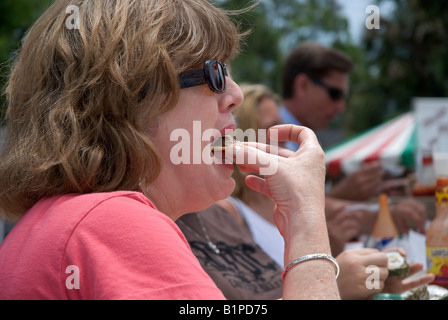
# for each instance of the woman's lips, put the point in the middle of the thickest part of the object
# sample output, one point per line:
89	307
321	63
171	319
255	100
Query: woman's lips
228	130
220	144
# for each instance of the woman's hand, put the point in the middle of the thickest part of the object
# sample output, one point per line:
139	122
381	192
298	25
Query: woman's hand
296	183
400	285
294	180
352	281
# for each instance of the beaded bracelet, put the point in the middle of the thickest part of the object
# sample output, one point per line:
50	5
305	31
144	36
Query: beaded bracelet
311	257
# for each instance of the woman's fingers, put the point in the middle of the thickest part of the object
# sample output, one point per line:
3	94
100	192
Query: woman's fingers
251	159
258	184
272	148
264	159
289	132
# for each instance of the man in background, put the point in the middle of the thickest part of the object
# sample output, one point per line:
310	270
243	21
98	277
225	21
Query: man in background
315	89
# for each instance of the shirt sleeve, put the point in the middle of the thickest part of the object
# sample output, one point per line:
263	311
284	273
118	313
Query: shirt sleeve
125	249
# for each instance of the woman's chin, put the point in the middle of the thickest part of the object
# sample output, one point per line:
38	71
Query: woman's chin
225	189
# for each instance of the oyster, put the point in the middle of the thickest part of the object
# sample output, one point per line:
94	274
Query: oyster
222	143
397	265
420	293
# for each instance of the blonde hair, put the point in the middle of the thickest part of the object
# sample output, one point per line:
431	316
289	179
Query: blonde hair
83	103
247	118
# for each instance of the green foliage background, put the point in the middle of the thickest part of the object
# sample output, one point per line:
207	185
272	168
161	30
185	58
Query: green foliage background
16	16
406	58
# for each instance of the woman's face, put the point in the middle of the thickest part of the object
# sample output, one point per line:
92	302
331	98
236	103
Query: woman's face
187	182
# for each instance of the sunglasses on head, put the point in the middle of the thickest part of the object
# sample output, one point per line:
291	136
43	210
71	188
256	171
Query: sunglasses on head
213	73
334	93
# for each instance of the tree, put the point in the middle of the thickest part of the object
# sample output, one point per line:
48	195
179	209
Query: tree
16	17
277	27
405	58
260	59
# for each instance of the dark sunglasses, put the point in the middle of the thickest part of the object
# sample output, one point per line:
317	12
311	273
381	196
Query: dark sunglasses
213	73
334	93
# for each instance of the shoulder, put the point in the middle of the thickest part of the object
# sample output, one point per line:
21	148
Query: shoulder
100	200
116	205
124	215
128	249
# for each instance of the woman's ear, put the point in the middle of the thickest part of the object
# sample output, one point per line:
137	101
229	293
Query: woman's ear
301	84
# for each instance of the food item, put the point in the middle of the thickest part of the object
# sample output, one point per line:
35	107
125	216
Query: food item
437	292
397	265
436	236
222	143
425	292
420	293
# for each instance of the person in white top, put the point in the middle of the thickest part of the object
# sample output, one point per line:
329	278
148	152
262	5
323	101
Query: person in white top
264	233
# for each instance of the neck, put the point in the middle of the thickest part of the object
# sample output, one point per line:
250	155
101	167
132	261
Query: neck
161	203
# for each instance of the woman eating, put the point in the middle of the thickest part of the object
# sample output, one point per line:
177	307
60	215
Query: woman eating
87	167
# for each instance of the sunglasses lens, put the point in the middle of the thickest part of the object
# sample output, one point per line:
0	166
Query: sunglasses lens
336	94
217	77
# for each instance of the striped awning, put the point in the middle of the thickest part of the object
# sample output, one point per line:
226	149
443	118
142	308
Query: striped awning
393	142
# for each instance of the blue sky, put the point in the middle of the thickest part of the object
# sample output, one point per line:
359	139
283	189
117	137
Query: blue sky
355	10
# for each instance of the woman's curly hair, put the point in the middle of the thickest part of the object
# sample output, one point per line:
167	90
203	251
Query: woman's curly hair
83	102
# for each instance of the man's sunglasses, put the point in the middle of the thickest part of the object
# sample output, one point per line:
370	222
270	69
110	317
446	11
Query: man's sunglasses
334	93
213	73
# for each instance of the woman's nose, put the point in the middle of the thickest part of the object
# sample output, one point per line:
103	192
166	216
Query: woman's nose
233	97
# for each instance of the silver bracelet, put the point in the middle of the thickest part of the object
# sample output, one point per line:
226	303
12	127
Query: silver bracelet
311	257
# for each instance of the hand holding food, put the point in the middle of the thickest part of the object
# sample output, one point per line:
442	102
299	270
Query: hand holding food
297	187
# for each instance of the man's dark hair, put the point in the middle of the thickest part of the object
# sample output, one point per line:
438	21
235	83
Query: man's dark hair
314	60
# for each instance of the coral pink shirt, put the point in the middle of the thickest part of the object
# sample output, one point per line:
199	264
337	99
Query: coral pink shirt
100	246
